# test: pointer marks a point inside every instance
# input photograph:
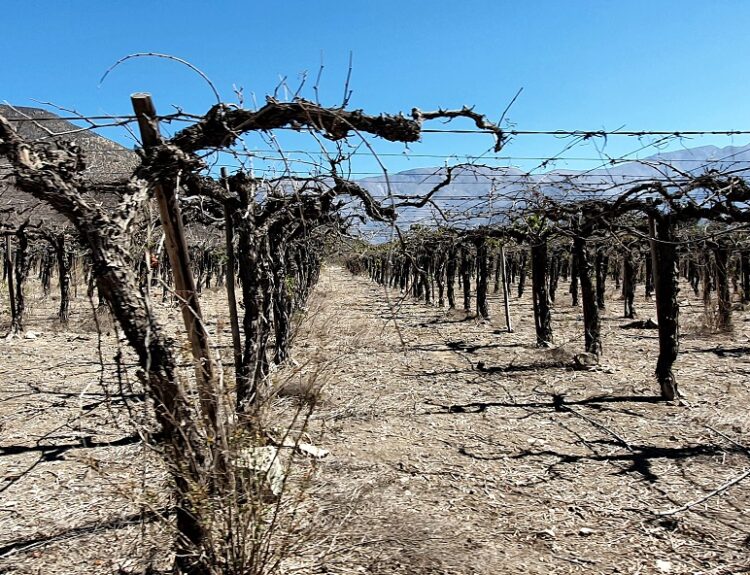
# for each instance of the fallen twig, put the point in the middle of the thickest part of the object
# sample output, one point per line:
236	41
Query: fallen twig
706	497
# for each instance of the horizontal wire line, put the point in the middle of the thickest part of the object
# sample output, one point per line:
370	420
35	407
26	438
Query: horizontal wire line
585	133
451	156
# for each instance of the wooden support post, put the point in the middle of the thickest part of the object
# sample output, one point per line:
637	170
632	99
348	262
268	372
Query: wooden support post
501	263
231	294
10	266
745	269
177	249
654	255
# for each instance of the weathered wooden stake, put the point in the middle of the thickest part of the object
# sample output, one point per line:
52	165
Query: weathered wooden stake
506	301
654	256
177	249
10	265
231	294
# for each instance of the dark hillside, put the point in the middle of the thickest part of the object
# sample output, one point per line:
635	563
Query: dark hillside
106	160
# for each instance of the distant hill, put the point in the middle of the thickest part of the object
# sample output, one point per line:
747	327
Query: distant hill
476	192
106	161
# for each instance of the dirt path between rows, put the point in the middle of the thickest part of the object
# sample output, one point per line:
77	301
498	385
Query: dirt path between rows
524	466
455	448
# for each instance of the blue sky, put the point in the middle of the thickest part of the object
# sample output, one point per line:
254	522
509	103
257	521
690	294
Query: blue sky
653	65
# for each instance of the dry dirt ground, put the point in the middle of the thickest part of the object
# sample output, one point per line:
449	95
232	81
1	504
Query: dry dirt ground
455	447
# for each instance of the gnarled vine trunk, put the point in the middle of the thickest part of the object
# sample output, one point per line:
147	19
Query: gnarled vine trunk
483	309
466	278
666	287
573	280
450	279
64	261
628	285
591	321
542	314
724	298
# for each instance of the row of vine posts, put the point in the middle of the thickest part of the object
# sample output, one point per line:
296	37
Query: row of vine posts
559	237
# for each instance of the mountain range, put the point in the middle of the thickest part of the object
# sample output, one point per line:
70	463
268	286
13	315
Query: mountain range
480	195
